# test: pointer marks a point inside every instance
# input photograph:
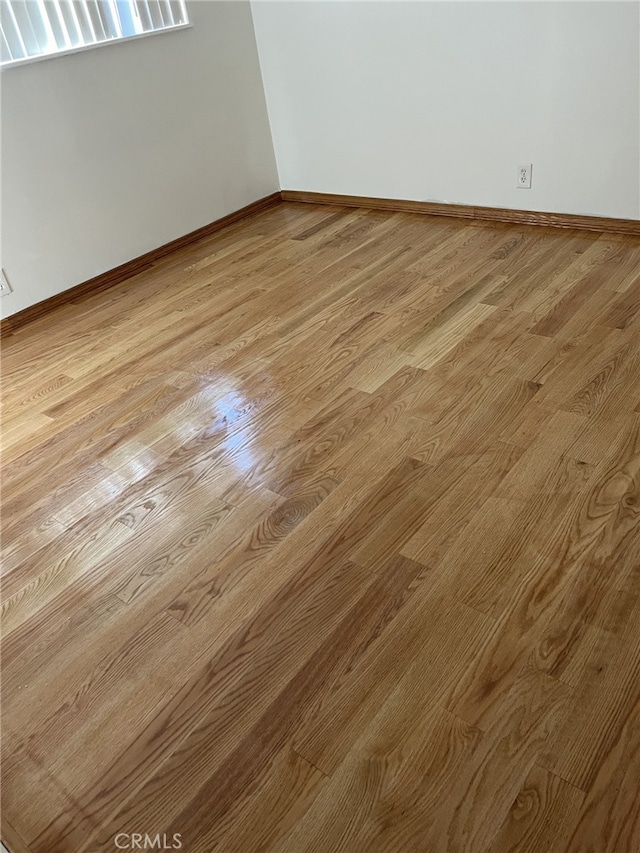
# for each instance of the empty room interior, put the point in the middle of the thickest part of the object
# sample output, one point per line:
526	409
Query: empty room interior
320	426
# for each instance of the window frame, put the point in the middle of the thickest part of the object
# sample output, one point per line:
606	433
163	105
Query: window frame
81	48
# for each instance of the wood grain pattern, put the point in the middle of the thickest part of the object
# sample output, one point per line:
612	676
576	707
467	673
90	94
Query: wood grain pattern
464	211
322	533
131	268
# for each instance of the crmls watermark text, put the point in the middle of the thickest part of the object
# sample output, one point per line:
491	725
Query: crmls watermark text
144	841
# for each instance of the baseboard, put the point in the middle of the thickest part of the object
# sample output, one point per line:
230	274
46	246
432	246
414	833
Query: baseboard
130	268
630	227
11	839
464	211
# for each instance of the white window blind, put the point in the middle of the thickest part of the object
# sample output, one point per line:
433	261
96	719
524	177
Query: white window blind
32	28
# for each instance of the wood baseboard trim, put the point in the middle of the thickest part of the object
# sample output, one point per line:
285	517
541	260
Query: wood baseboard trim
132	267
629	227
11	839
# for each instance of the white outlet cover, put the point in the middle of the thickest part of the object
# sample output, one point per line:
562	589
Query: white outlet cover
523	181
5	287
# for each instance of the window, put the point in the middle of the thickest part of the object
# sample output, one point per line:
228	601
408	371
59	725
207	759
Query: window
36	28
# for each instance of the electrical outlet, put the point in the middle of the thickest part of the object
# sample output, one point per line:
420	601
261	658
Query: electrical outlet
524	176
5	287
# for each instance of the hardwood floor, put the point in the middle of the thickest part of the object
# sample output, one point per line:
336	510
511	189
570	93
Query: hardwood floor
324	535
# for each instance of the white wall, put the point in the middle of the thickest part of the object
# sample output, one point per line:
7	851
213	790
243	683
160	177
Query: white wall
111	152
441	100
